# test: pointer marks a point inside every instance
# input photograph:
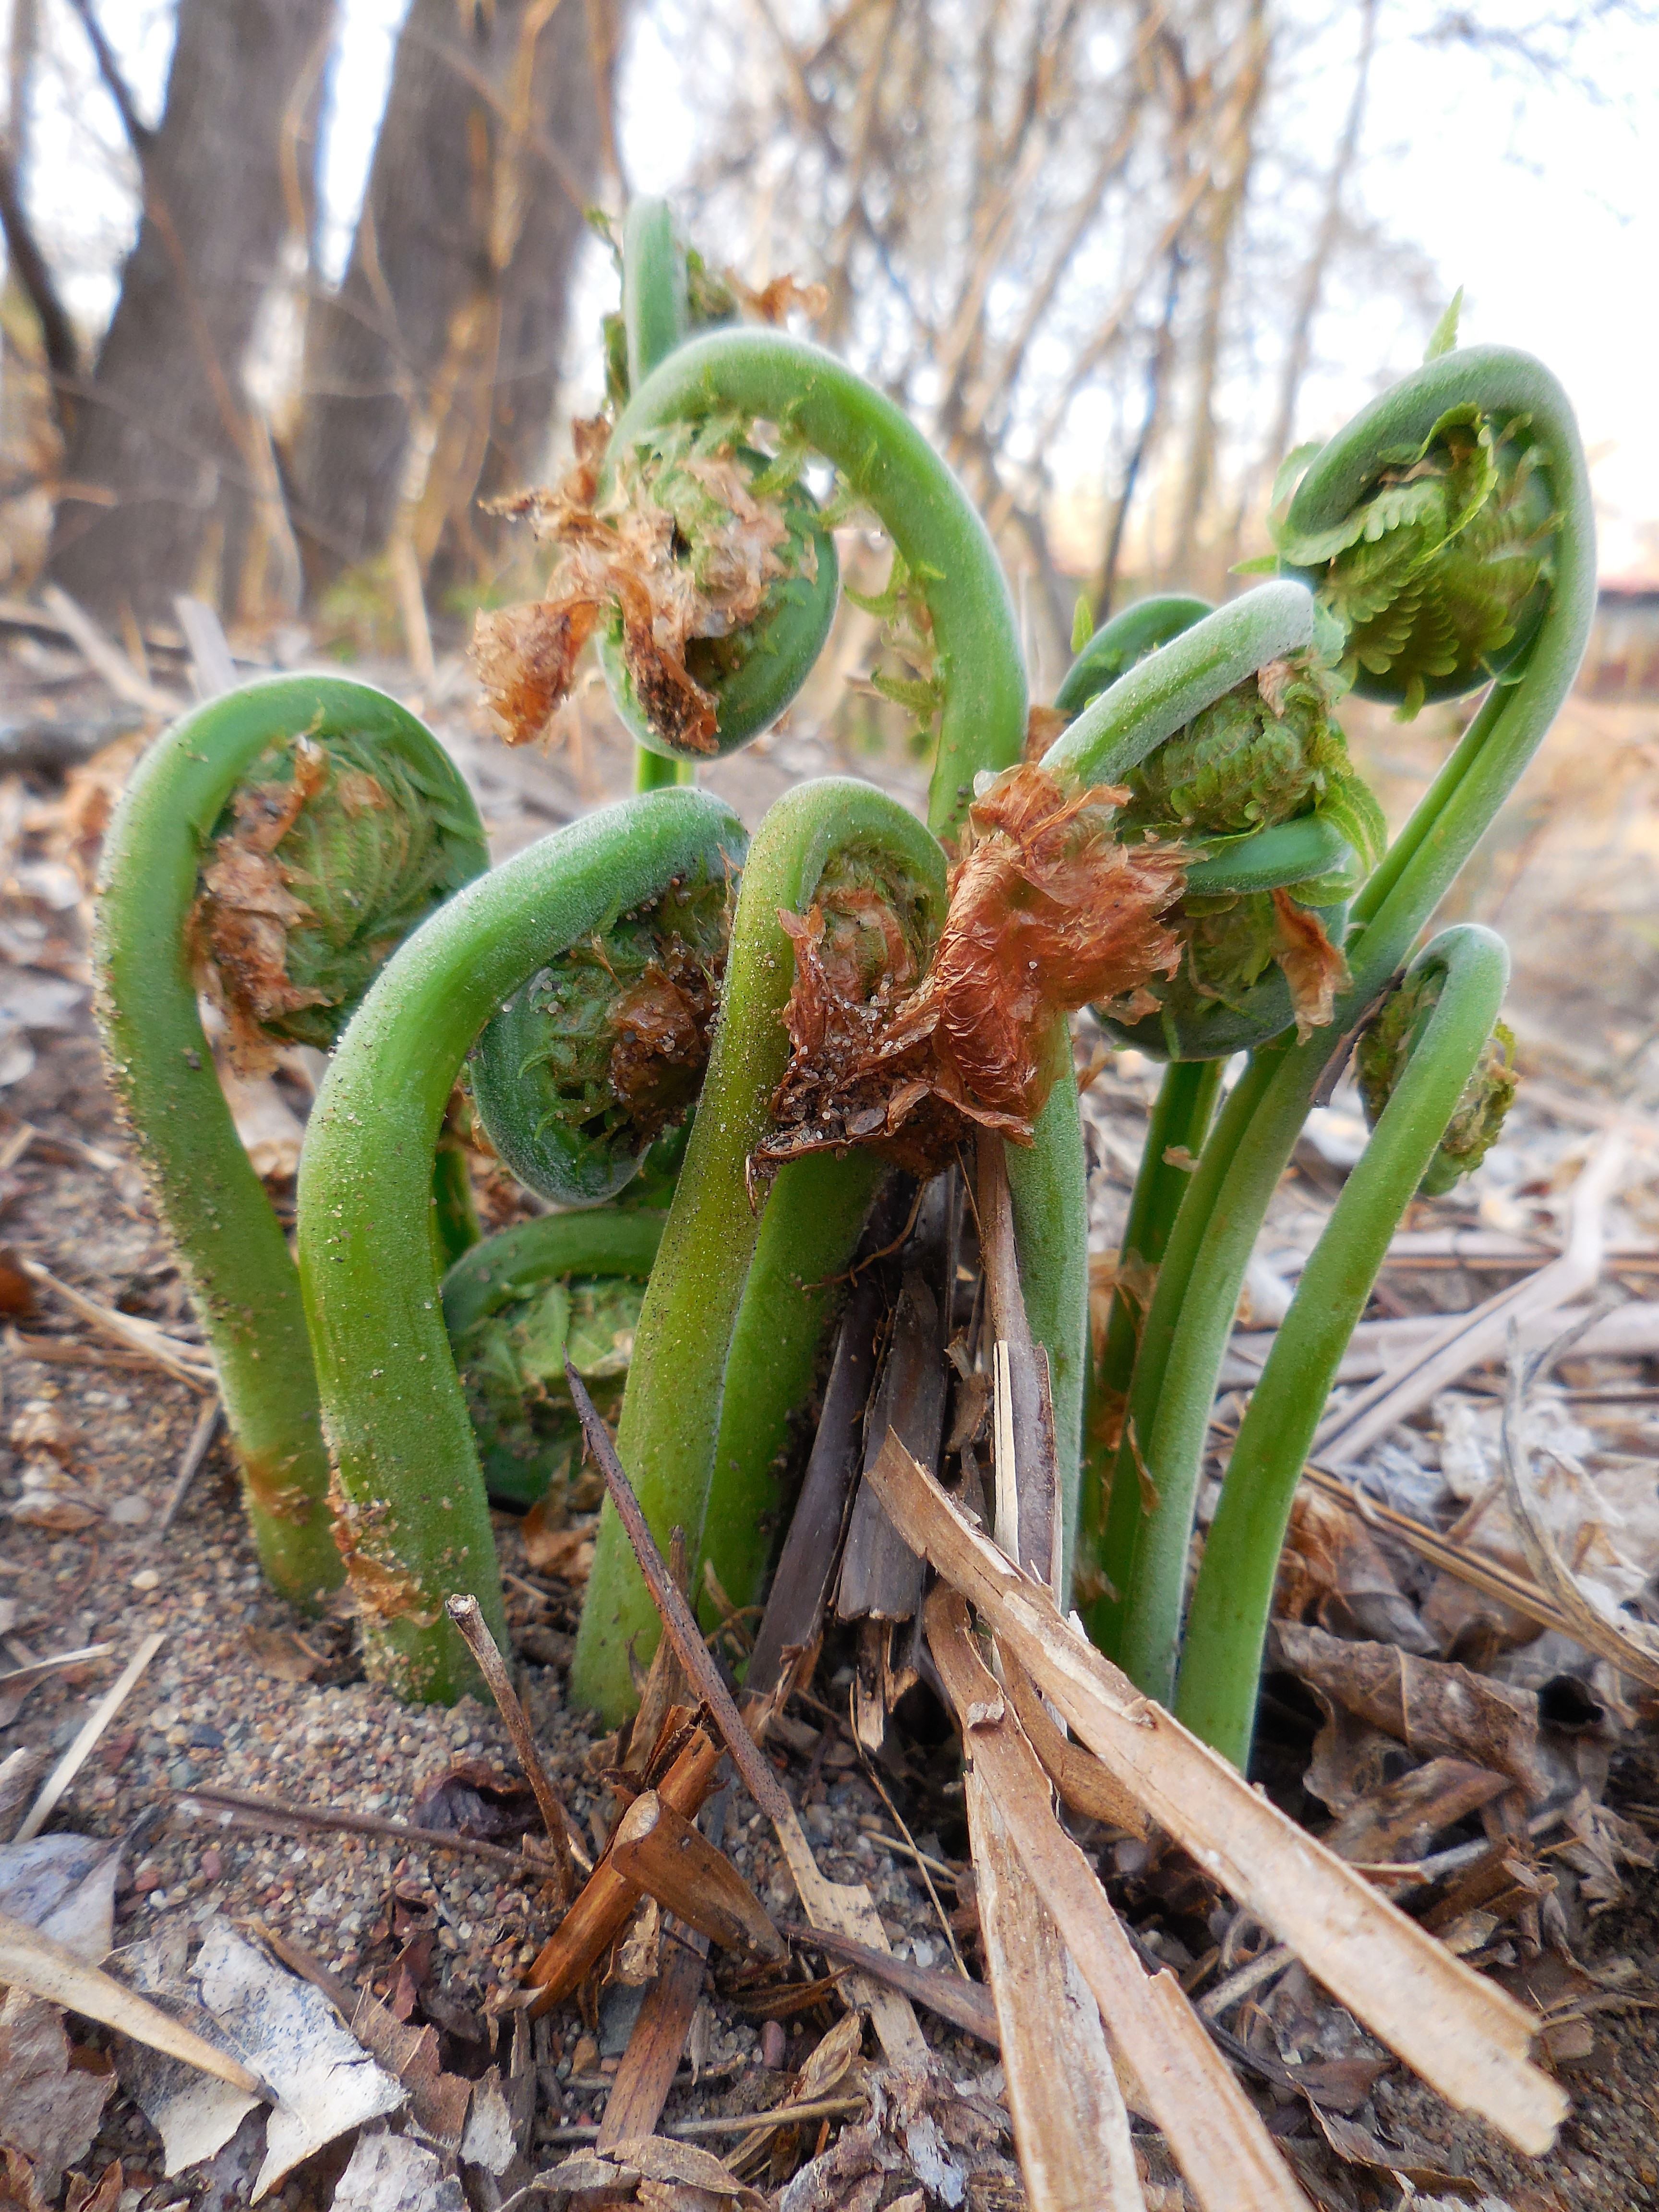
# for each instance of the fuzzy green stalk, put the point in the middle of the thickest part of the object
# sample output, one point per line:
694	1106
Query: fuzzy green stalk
516	1262
655	316
1117	644
230	1244
678	1378
886	463
1227	1621
415	1523
1193	1306
656	771
1179	1123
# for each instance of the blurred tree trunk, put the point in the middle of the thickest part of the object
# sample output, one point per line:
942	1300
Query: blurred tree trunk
171	471
429	376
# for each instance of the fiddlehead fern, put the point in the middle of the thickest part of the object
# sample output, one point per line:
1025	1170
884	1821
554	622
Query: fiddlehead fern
414	1524
1198	1288
1254	782
700	562
677	1383
515	1306
602	1050
273	848
1437	1080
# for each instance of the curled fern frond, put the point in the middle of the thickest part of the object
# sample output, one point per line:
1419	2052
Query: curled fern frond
1389	1042
603	1049
1440	574
325	857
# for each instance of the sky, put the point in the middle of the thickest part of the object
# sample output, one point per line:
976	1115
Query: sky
1543	205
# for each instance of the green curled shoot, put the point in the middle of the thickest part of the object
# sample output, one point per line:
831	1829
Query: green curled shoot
1440	574
602	1051
330	851
1386	1045
701	566
515	1307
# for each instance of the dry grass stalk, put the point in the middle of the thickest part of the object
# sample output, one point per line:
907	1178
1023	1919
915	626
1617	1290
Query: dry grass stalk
85	1742
1175	2077
187	1362
1083	1782
1071	2125
1489	1575
1465	2037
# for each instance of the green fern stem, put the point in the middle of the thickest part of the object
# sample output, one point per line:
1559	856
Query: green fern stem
681	1374
1227	1623
415	1525
231	1246
1199	1285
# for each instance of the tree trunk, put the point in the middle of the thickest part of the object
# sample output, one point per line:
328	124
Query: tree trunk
180	462
429	376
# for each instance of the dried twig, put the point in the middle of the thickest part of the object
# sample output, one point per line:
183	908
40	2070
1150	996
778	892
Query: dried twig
678	1620
844	1906
967	2004
189	1463
97	1720
474	1634
185	1362
821	2108
277	1812
1466	2038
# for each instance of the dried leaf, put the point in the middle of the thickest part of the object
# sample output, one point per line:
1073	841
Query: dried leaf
476	1799
283	1653
1404	1817
64	1886
50	2105
1433	1708
290	2035
774	303
661	2157
1047	912
438	2100
1314	968
681	550
395	2174
566	1553
525	658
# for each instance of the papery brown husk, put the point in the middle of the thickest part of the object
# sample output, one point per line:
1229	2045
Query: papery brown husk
622	558
1047	912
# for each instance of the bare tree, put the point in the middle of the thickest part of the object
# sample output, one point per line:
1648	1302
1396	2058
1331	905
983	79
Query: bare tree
429	376
169	473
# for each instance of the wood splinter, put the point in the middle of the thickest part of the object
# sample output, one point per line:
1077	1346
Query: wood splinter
661	1850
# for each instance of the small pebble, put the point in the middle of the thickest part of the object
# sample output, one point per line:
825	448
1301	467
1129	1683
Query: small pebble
128	1512
773	2044
146	1579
